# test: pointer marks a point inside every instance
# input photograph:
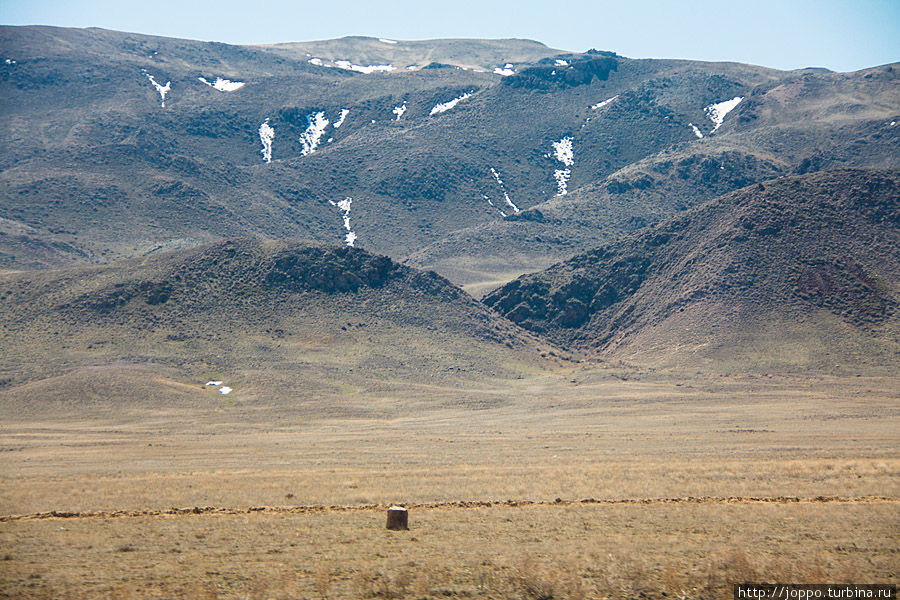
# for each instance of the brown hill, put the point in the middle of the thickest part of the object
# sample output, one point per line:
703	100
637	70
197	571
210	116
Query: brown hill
800	271
290	323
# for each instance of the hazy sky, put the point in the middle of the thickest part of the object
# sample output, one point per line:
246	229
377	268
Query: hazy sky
842	35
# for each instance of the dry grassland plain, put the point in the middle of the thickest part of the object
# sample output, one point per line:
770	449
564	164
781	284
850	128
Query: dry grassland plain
581	483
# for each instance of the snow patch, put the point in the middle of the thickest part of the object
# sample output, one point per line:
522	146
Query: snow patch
9	61
266	135
223	389
563	151
893	123
600	105
562	181
386	41
506	70
163	90
340	121
399	110
696	131
316	61
313	135
489	201
445	106
223	85
506	197
344	207
348	66
561	63
716	112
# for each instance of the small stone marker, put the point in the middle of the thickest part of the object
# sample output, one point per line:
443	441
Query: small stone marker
397	518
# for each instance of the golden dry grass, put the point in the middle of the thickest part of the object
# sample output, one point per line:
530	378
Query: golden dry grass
575	551
579	434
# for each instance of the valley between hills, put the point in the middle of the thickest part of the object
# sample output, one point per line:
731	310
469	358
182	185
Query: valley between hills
608	327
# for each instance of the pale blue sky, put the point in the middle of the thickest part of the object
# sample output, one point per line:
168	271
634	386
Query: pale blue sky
842	35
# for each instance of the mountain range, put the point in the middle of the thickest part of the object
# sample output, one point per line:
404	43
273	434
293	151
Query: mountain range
666	212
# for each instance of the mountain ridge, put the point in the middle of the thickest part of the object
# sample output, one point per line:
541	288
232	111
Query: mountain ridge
822	249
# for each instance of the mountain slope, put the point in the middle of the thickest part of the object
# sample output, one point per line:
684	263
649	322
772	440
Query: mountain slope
288	323
806	121
800	271
441	161
409	54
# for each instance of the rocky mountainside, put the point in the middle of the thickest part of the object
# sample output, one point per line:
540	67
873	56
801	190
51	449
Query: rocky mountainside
801	271
481	159
283	322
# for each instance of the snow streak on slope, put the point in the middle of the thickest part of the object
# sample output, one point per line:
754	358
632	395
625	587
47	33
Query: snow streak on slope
506	70
163	90
505	193
445	106
266	135
223	85
313	135
344	206
561	63
223	389
492	204
340	121
399	110
316	61
564	153
696	131
600	105
347	65
387	41
716	112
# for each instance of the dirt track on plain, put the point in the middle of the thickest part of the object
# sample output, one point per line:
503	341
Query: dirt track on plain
218	510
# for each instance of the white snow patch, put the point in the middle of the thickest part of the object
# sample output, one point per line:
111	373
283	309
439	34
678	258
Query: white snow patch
223	389
399	110
9	61
563	151
163	90
506	197
561	63
316	61
266	135
340	121
223	85
696	131
489	201
445	106
600	105
347	65
716	112
893	123
506	70
313	135
386	41
412	68
344	207
562	181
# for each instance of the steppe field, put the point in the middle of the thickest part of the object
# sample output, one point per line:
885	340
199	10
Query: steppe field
585	482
